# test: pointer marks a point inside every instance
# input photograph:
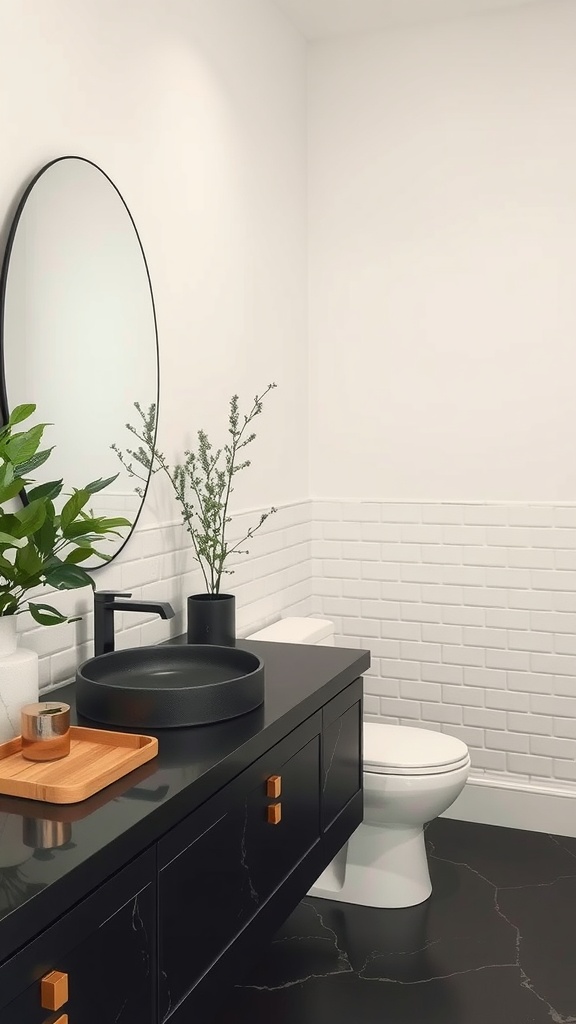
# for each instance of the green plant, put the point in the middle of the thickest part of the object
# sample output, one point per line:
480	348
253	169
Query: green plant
38	546
202	484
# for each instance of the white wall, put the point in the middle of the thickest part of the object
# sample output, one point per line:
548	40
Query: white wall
443	246
443	356
197	111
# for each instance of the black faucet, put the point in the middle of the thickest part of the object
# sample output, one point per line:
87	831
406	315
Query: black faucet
106	602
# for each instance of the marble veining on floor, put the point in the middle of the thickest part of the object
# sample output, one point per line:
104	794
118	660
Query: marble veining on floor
495	944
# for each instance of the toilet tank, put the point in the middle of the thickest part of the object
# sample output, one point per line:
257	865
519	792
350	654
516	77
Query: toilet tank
294	630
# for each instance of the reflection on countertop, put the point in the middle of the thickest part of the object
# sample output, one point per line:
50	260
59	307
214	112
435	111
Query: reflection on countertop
44	840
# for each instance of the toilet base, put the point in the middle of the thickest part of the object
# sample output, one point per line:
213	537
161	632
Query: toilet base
380	866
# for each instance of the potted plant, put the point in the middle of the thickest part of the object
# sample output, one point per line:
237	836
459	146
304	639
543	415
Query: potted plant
39	546
202	485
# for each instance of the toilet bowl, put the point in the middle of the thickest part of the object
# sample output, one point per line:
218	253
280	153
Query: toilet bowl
411	776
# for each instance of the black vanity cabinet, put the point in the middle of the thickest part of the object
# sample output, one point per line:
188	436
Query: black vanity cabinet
253	850
220	866
98	960
176	885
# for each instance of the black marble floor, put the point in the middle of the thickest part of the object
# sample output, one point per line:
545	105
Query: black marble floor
495	944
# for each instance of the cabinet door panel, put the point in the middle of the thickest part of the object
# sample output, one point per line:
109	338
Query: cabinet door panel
106	946
26	1008
341	752
274	850
205	897
215	886
111	972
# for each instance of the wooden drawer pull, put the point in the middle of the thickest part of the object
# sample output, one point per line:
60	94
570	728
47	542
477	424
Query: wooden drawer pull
274	814
273	786
54	991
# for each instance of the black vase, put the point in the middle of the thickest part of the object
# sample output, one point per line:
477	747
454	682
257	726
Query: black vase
212	619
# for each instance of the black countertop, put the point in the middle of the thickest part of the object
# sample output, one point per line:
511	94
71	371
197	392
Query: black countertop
99	835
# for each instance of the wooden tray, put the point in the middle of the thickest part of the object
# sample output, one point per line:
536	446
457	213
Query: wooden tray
96	759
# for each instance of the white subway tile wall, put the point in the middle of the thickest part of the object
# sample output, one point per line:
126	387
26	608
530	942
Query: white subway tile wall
275	579
469	611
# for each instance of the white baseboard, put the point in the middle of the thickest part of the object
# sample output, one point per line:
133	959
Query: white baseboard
498	802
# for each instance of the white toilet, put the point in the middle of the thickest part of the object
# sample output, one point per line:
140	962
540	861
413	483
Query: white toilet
410	777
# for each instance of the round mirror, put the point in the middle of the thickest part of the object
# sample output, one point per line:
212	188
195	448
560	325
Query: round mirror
78	328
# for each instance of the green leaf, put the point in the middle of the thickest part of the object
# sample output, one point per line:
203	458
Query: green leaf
46	615
28	561
21	412
51	489
92	525
8	604
68	577
30	518
112	524
45	537
21	447
6	474
12	489
100	554
72	508
24	468
8	540
100	484
7	569
50	561
79	528
79	554
86	541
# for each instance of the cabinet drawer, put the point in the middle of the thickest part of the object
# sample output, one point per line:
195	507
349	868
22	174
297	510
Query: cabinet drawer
105	948
232	858
341	751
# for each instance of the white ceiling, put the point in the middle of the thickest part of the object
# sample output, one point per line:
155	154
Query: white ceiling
318	18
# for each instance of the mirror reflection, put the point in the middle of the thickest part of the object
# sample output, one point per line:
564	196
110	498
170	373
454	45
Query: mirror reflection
78	326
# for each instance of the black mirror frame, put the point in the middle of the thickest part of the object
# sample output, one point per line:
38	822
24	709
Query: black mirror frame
4	407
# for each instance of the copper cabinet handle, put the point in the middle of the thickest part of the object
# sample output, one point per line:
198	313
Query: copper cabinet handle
273	786
54	991
62	1020
274	814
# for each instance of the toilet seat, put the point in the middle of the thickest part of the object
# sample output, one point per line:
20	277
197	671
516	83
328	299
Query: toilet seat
402	750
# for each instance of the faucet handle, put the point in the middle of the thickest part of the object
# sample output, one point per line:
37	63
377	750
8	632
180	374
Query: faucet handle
108	595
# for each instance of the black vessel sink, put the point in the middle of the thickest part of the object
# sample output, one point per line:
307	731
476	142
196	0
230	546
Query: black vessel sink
169	686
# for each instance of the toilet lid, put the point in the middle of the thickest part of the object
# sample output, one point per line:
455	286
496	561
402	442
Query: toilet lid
401	750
